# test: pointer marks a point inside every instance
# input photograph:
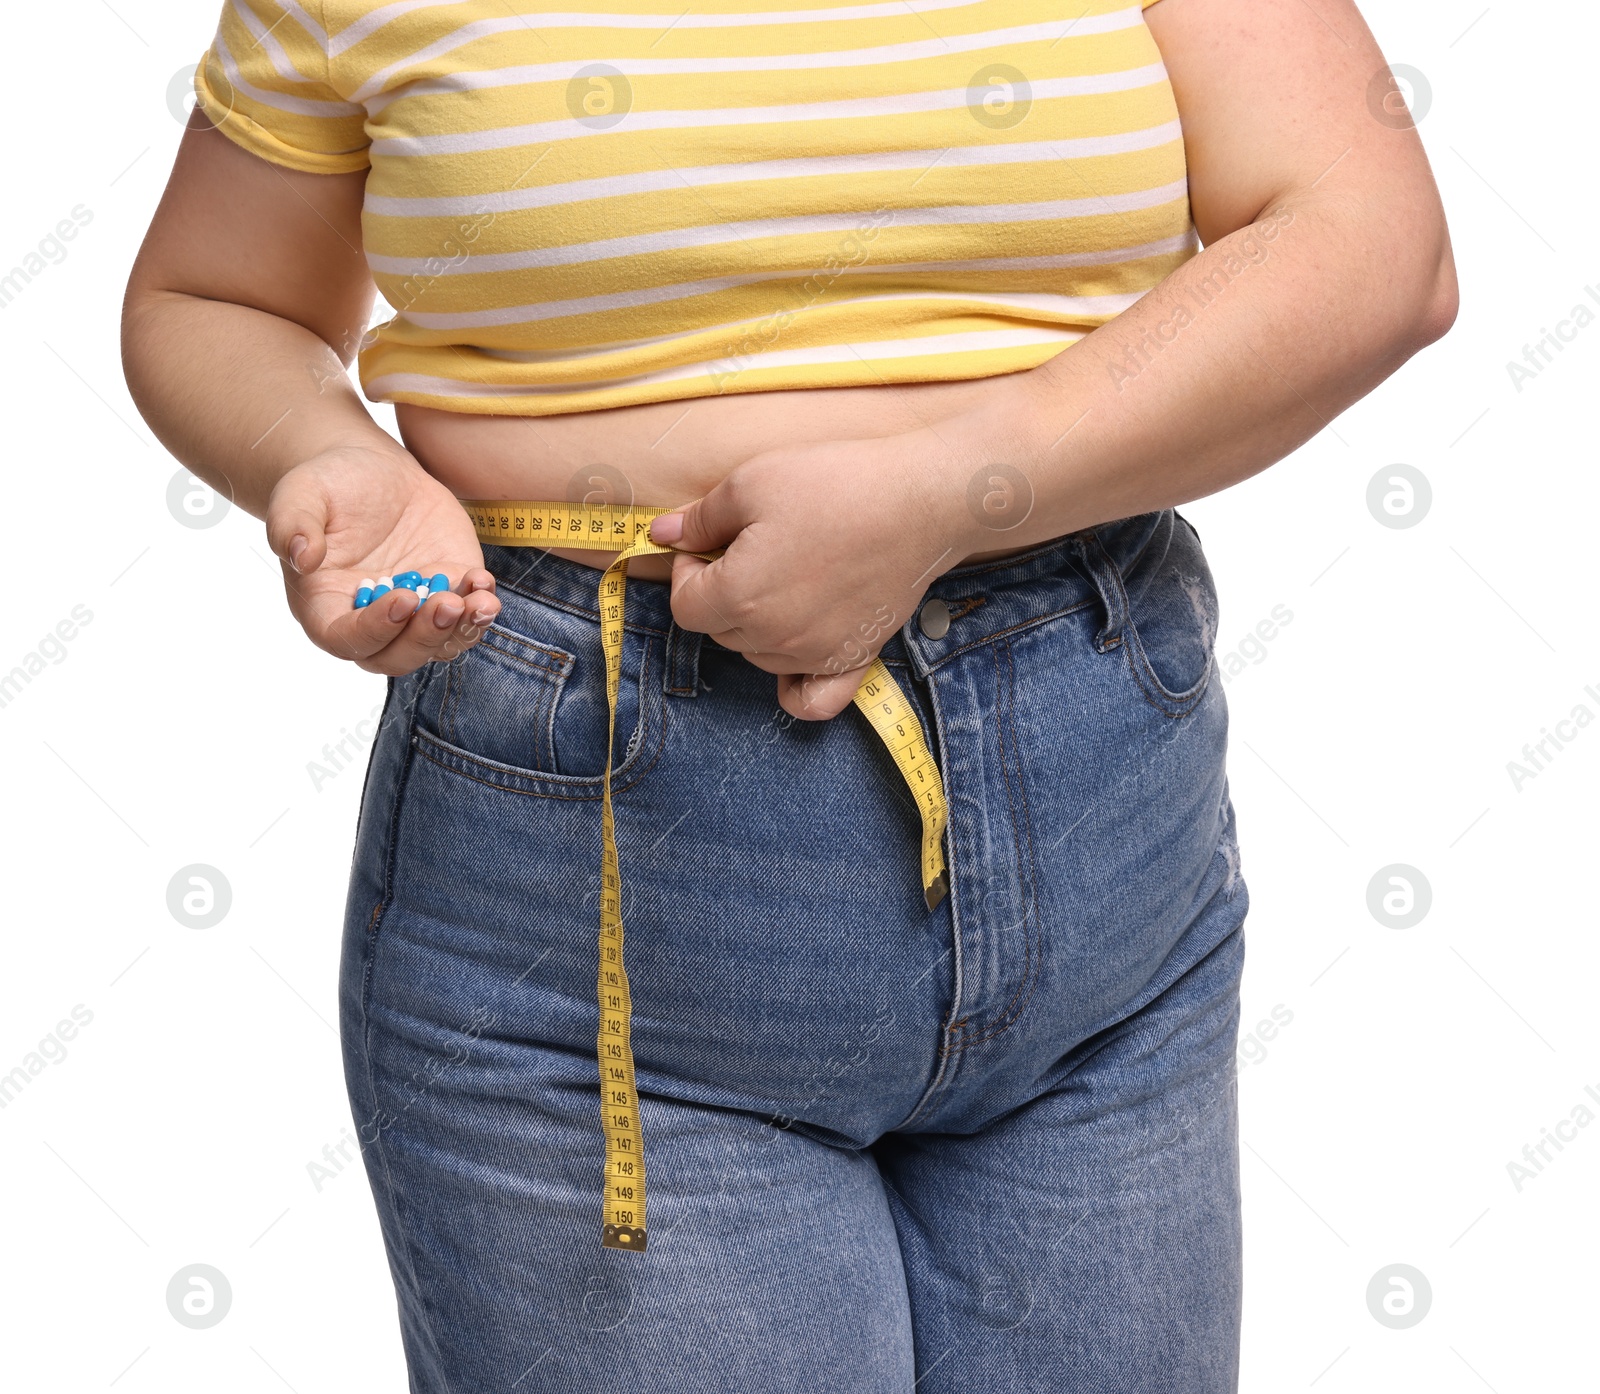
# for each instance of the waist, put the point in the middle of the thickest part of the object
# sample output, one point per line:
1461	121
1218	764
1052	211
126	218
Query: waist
1084	572
668	453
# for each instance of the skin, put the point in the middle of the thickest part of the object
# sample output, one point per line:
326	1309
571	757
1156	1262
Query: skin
1327	264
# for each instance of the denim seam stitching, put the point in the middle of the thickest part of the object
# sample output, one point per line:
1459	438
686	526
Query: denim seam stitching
949	1058
374	924
641	724
455	698
447	711
383	720
671	665
951	1048
1166	702
508	647
950	1045
544	724
396	1205
1008	630
1013	1009
450	759
386	889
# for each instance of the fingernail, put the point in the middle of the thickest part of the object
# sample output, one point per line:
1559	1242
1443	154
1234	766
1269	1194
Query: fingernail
445	615
668	528
403	607
297	548
482	621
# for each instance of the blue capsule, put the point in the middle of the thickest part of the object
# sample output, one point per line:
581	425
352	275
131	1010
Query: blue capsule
413	581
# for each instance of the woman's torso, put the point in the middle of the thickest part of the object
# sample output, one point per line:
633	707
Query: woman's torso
662	453
780	226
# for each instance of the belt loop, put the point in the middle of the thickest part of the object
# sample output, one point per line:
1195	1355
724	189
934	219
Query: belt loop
681	675
1108	581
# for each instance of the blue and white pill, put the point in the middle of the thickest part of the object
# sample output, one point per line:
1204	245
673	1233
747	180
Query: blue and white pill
408	579
440	582
364	595
382	588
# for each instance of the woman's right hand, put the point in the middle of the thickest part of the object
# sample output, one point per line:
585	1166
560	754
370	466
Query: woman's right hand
354	513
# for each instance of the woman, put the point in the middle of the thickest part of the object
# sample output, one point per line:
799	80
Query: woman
900	305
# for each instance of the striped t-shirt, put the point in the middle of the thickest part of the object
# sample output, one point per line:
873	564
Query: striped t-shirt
621	201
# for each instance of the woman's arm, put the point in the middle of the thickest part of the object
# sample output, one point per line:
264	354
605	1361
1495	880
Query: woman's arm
1327	266
243	309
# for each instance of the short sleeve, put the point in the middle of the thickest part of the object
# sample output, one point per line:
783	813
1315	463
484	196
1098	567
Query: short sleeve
265	83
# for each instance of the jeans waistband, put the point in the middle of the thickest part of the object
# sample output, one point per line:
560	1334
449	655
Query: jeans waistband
984	599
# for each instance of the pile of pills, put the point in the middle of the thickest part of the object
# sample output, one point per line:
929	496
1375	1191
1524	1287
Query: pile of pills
401	581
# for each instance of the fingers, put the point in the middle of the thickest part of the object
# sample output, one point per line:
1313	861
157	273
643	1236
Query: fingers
442	629
394	635
694	604
704	525
297	515
818	696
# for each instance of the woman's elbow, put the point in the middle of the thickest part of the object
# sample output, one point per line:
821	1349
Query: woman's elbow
1441	298
1396	237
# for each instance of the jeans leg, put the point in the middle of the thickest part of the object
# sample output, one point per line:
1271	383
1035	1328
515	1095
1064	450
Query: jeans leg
1089	1242
772	1264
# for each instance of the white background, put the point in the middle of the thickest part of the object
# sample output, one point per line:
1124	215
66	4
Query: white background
1375	728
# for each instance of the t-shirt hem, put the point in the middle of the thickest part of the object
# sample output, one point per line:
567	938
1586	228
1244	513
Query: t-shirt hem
882	373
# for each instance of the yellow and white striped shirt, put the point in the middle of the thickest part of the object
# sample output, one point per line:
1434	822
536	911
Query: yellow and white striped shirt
617	201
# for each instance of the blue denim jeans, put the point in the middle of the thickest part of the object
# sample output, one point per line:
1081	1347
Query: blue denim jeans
987	1149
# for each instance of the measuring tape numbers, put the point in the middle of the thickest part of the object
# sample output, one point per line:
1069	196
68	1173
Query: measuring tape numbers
626	531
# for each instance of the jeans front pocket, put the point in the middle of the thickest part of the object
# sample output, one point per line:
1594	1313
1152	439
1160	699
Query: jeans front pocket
529	699
498	700
1161	613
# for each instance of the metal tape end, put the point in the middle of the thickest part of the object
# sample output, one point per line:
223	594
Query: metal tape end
623	1237
937	891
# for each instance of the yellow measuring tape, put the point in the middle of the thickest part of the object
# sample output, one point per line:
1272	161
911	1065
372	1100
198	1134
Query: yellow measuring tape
626	531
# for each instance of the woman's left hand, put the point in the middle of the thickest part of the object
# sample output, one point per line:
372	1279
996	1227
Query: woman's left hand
830	548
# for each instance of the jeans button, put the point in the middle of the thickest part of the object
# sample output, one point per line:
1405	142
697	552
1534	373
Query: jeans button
934	619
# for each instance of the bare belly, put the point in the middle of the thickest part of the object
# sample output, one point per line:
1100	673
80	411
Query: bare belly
662	453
